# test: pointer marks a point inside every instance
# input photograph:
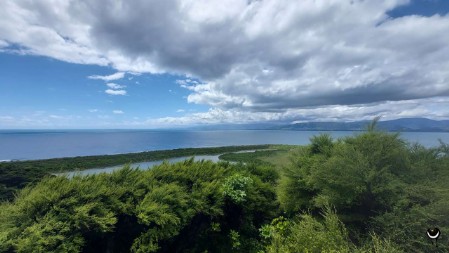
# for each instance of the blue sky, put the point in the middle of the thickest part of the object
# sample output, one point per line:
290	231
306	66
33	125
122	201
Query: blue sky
176	63
37	87
421	7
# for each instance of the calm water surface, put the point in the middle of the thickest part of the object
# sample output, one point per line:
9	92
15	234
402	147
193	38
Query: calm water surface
39	144
141	165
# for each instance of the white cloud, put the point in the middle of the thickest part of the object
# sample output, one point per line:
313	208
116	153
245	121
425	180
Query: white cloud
260	59
92	110
53	116
42	119
181	82
432	108
115	92
3	43
115	86
6	119
115	76
180	110
41	28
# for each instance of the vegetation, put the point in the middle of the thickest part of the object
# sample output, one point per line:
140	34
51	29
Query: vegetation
188	207
277	155
249	157
377	183
18	174
371	192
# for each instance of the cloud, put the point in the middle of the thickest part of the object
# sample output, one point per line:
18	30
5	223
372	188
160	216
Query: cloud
92	110
3	43
115	92
257	59
432	108
115	86
180	110
42	119
7	118
53	116
115	76
187	83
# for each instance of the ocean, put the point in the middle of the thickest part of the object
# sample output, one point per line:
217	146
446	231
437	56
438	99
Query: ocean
43	144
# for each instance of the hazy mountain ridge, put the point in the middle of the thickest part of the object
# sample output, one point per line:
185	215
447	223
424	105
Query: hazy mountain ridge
403	125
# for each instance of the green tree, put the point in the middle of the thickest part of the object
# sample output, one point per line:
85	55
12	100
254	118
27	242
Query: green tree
307	234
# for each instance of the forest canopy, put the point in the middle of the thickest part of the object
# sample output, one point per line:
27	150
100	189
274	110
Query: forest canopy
371	192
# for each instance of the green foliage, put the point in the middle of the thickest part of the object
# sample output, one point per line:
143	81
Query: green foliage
235	187
279	225
377	244
372	126
307	234
361	171
17	174
386	193
58	215
296	190
173	207
250	157
321	144
235	239
378	183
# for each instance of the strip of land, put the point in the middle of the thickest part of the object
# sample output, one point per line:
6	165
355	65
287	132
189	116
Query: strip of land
17	174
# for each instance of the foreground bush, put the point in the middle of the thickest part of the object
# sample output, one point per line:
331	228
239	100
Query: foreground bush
188	207
378	184
305	233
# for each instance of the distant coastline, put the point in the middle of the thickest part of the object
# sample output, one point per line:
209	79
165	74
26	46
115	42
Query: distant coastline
72	143
398	125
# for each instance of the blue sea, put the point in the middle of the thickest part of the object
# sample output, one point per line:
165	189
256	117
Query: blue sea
43	144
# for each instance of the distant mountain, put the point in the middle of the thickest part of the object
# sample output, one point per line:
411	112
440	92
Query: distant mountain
255	126
398	125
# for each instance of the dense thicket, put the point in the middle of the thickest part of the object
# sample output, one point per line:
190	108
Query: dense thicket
371	192
185	207
377	183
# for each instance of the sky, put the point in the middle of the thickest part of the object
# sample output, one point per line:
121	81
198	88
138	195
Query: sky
176	63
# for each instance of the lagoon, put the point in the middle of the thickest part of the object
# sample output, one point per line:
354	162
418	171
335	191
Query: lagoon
141	165
149	164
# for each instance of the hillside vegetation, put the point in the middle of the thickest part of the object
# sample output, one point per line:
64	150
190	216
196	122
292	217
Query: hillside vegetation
371	192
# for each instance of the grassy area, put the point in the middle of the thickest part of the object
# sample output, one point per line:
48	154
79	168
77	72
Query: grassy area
277	155
16	175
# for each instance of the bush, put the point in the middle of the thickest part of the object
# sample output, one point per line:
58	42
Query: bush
173	207
307	234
